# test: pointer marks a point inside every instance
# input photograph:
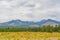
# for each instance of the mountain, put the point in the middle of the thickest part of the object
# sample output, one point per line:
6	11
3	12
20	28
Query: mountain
30	23
49	22
17	23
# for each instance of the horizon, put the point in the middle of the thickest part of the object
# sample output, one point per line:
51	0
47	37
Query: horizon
29	21
29	10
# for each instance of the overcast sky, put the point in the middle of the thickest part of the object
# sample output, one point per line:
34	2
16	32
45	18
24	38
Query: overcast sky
29	10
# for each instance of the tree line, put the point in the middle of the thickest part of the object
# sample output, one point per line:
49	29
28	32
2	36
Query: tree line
47	28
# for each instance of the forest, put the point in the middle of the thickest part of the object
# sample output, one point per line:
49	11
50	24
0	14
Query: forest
47	28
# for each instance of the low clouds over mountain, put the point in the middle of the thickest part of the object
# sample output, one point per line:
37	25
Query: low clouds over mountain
29	10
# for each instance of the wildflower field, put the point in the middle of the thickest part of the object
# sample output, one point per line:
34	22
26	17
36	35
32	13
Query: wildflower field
29	36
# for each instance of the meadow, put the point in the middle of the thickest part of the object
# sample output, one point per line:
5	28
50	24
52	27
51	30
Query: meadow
29	36
30	33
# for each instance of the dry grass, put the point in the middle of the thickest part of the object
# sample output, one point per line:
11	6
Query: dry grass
29	36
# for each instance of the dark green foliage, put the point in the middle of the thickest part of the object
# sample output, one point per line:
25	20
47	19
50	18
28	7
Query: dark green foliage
47	28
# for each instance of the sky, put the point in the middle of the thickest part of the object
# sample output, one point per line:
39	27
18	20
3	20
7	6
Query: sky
29	10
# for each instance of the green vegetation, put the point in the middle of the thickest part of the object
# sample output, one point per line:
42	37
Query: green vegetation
32	29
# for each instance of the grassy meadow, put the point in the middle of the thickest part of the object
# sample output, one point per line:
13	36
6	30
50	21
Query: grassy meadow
29	36
34	33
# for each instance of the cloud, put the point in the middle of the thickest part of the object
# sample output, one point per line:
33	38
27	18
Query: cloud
29	10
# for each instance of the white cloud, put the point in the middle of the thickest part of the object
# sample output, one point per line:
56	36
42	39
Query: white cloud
29	10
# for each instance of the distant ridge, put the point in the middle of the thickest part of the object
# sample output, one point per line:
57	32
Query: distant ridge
50	22
28	23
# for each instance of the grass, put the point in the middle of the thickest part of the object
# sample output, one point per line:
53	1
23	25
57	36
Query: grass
29	36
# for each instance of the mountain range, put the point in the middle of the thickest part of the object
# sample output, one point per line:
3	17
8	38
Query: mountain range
30	23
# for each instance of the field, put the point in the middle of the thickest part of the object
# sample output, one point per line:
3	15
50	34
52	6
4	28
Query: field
29	36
